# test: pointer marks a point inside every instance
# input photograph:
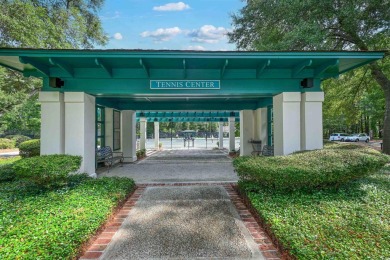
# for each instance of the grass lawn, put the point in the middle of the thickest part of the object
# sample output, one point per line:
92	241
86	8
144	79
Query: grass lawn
352	222
36	224
6	160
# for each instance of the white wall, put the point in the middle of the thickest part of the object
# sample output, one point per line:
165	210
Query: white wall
311	120
287	123
128	135
156	135
143	125
80	128
247	126
232	140
52	123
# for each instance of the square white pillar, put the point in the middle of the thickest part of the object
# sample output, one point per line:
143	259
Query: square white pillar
52	122
157	135
109	127
128	135
247	125
142	125
261	126
232	136
311	120
80	128
220	135
287	123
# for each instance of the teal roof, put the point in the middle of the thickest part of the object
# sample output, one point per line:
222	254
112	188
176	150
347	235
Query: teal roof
121	78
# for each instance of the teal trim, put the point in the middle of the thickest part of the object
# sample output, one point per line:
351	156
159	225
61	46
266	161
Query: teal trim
116	131
188	114
270	125
187	119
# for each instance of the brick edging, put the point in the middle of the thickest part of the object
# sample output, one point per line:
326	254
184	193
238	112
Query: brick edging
284	254
98	243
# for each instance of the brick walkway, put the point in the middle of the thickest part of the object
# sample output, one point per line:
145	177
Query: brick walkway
266	246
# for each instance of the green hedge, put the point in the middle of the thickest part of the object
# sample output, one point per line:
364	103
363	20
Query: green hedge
30	148
334	165
6	143
18	139
7	173
47	170
55	224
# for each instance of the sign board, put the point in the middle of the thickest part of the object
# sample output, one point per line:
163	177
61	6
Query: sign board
185	84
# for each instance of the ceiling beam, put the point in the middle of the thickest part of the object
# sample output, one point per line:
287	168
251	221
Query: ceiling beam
261	67
65	67
39	66
184	69
323	67
224	67
300	66
104	66
141	62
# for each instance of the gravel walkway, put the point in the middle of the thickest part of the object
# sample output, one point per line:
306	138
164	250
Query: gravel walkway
183	223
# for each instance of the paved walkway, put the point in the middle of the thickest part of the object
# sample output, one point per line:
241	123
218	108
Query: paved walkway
183	222
172	166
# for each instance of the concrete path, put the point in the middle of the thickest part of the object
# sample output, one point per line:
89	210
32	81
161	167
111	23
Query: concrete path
188	222
172	166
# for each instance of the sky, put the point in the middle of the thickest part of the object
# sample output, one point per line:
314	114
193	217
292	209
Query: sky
169	24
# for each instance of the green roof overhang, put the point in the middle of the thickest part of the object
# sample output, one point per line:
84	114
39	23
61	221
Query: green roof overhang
121	78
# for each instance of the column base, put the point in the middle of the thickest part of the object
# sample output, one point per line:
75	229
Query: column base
130	159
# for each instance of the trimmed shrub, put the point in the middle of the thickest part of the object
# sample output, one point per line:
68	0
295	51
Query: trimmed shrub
18	139
30	148
334	165
47	170
7	173
141	153
6	143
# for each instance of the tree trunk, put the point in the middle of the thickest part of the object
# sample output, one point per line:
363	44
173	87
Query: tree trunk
384	82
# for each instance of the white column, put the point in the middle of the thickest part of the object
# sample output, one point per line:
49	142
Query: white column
142	123
220	135
52	122
232	137
109	127
261	126
80	129
156	135
247	124
311	120
128	135
287	123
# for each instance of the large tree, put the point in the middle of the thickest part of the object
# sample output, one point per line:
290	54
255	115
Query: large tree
320	25
50	24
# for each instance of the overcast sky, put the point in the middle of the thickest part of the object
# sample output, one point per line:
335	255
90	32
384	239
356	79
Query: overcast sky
173	25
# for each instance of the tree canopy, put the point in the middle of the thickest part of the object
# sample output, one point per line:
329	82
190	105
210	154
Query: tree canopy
325	25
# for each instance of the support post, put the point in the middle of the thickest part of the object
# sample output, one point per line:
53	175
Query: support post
311	120
220	135
128	135
52	123
287	123
261	127
142	123
247	125
232	138
157	135
80	129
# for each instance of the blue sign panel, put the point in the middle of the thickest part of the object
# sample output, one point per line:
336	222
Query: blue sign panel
185	84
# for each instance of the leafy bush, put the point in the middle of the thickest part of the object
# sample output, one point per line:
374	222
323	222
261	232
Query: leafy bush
18	139
56	224
6	143
334	165
141	153
7	173
30	148
47	170
350	222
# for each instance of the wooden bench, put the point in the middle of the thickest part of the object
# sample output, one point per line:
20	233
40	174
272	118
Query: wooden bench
108	157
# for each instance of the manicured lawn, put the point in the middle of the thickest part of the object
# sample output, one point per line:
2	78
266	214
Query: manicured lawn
6	160
36	224
352	222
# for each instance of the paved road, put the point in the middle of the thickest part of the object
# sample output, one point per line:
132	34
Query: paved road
183	223
179	166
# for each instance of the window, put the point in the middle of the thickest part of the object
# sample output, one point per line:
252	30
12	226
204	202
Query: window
100	127
117	130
